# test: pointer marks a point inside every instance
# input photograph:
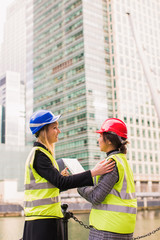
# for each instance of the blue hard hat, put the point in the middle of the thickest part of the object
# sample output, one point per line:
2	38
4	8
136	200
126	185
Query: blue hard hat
40	119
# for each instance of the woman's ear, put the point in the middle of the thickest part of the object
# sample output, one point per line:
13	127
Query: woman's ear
108	142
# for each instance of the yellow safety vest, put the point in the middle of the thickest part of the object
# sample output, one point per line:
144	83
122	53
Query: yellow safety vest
41	198
117	213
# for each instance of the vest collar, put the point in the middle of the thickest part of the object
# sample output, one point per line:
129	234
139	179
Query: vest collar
116	151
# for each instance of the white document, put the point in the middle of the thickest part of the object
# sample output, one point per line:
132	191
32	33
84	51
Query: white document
73	165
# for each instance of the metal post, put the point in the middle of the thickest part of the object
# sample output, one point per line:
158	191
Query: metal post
65	220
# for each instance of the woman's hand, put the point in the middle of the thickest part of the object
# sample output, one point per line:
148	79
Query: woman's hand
103	167
64	172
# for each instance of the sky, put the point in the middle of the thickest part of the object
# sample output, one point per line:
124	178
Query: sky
3	7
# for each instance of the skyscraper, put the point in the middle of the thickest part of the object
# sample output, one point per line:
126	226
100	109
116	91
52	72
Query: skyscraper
13	52
12	120
86	67
69	73
29	68
13	74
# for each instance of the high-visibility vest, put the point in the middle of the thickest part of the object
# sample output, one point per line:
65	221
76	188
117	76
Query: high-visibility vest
117	213
41	198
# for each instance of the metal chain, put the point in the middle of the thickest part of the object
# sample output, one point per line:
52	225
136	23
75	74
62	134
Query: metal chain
148	234
87	227
80	222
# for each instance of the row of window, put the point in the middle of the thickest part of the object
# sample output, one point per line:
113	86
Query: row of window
53	9
143	133
51	93
73	132
143	122
51	51
79	156
73	120
47	42
73	6
71	145
56	27
58	46
46	4
53	19
144	157
147	169
73	16
48	95
144	144
68	109
48	22
56	58
68	85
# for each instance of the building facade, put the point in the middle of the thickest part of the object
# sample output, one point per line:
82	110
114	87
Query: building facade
13	49
86	68
12	122
131	97
13	70
29	69
67	79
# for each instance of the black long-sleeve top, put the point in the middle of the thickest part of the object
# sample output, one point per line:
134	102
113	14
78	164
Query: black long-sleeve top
44	167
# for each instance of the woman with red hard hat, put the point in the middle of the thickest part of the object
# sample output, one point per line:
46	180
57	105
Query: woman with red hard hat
43	181
113	198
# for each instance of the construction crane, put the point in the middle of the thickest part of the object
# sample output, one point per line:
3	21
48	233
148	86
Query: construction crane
146	68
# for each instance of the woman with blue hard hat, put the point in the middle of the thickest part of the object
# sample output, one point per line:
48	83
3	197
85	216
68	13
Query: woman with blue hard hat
43	181
113	198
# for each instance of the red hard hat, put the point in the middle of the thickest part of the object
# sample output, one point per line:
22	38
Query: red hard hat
114	125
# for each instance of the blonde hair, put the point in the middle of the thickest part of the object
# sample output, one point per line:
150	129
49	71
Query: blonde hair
42	138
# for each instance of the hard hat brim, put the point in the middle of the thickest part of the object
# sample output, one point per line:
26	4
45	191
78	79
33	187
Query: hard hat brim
99	131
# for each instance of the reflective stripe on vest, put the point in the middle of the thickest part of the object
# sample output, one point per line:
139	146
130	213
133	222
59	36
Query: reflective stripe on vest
115	208
40	202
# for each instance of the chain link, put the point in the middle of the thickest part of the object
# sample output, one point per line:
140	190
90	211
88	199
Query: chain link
87	227
80	222
148	234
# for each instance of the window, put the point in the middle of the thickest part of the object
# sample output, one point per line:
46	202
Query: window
134	168
81	117
131	120
140	168
114	72
132	131
139	156
133	156
91	115
143	133
157	169
138	132
70	120
152	170
139	144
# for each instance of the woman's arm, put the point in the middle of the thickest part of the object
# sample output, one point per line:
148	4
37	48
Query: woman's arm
43	166
97	193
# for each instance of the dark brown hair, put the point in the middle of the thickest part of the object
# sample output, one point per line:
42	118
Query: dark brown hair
117	141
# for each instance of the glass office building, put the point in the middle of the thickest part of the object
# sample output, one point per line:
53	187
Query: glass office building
12	114
86	67
69	73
